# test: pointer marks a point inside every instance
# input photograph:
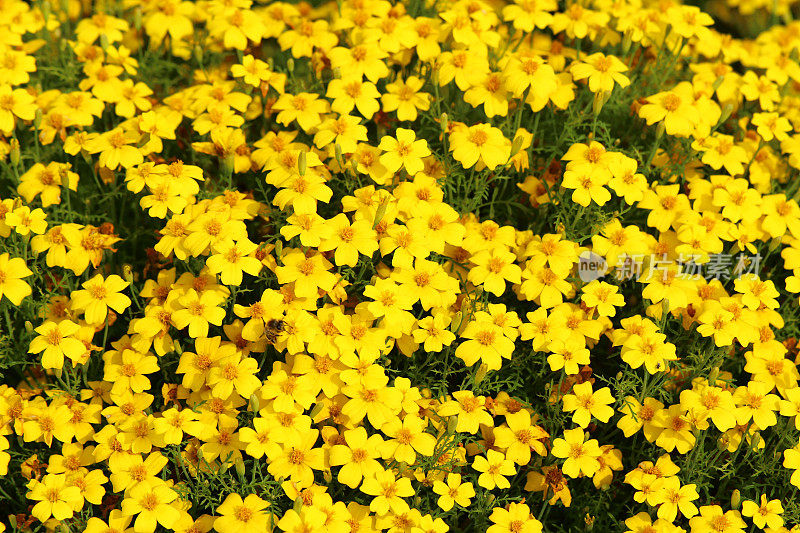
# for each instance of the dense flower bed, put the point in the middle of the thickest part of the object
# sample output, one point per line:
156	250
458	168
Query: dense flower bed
410	267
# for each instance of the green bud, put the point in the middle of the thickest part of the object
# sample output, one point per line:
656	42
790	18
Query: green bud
482	371
104	41
626	43
298	504
455	324
198	54
290	64
239	465
727	110
14	154
254	403
279	251
516	145
600	100
661	129
177	347
379	214
47	9
717	83
444	120
127	273
337	150
302	164
337	73
28	326
137	18
736	499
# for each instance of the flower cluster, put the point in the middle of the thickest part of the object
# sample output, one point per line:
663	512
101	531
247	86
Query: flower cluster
306	268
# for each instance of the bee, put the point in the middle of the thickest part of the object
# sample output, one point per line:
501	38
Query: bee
274	328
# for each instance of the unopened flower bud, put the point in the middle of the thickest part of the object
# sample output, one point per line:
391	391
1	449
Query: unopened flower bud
279	251
482	371
337	151
37	118
516	145
28	326
14	154
254	403
445	121
103	41
127	273
379	214
717	83
302	164
337	72
727	109
327	476
177	347
239	464
290	65
736	499
455	324
198	54
600	100
626	43
712	377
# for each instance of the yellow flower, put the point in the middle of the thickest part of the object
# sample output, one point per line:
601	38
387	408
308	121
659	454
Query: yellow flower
237	515
56	340
494	469
55	498
98	295
581	455
403	151
602	72
404	98
481	142
585	404
452	492
12	270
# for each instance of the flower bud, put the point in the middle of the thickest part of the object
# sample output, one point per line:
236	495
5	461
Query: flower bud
227	165
482	371
337	151
379	214
298	504
198	54
736	499
14	154
47	9
626	43
727	109
516	145
127	273
104	41
600	100
444	121
717	83
37	118
302	164
239	464
279	251
327	476
713	375
337	72
28	326
455	324
177	347
290	65
254	403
